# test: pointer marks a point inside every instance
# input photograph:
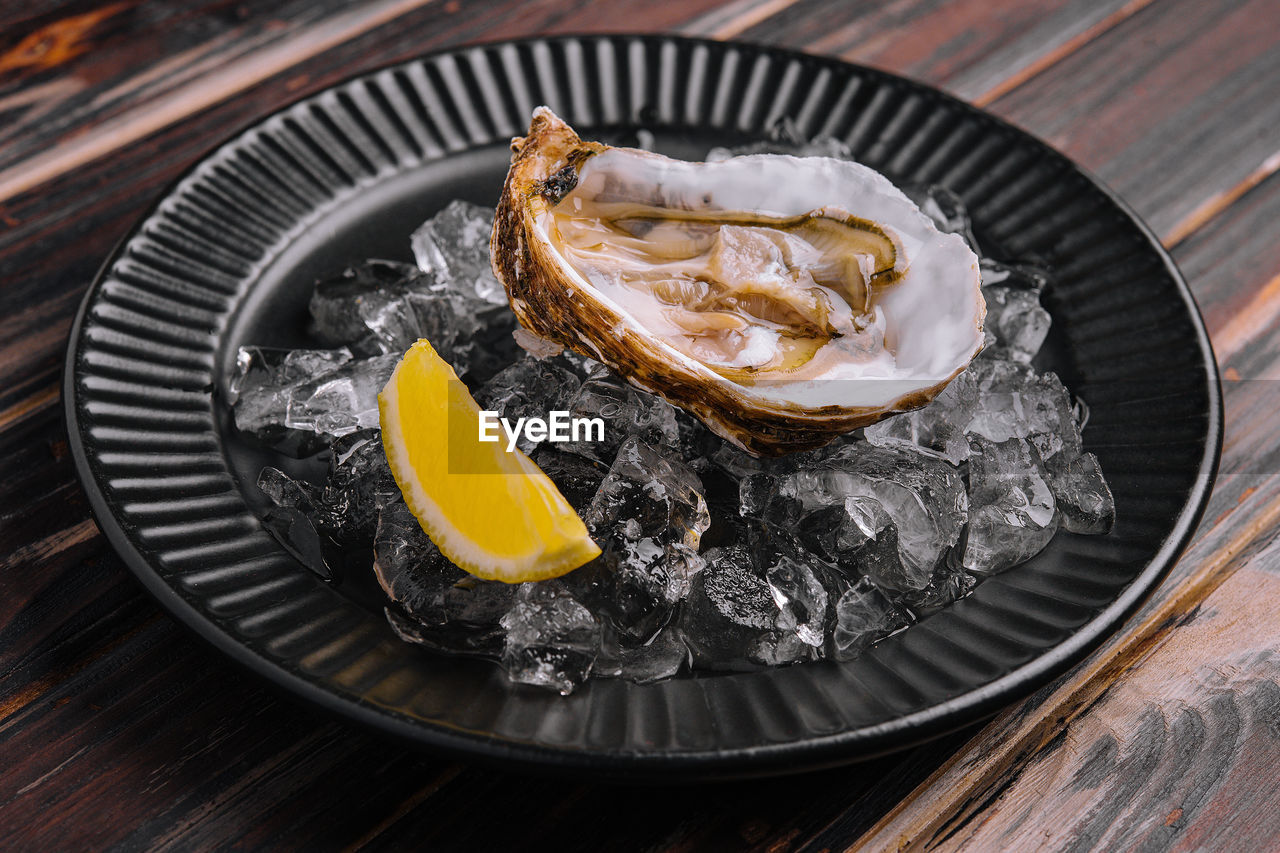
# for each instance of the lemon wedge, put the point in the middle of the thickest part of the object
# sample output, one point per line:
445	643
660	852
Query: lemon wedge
492	512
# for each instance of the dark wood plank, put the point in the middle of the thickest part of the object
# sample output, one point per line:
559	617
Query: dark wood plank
737	17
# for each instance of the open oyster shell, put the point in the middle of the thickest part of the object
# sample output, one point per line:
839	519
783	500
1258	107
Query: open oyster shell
781	300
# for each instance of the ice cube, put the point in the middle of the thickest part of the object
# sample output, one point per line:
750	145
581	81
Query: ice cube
862	541
831	534
863	615
1016	321
535	345
625	411
1027	277
335	301
780	647
734	461
946	209
454	244
292	521
580	364
949	583
635	583
314	520
448	321
861	538
1014	401
285	491
1013	514
730	620
742	553
648	516
762	497
384	307
341	401
552	640
264	383
577	477
662	657
359	485
409	566
923	495
660	494
447	639
938	426
801	599
262	370
439	605
531	387
492	348
694	440
1083	498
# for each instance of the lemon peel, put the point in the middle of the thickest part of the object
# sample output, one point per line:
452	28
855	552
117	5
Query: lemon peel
492	512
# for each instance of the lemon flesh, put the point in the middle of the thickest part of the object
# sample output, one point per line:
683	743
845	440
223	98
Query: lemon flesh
492	512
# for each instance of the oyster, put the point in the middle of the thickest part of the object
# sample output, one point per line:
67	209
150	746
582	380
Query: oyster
781	300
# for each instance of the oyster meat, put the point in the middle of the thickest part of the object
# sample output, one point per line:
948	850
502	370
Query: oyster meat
781	300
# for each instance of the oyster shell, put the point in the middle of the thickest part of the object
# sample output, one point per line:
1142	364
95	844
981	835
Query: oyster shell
781	300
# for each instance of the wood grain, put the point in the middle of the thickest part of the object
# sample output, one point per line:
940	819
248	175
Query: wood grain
131	68
1188	740
41	129
1196	89
1233	260
973	48
118	729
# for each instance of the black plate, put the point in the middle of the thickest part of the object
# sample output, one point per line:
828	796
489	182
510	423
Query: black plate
228	257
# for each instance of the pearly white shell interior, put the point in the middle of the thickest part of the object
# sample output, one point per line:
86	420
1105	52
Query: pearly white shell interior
933	314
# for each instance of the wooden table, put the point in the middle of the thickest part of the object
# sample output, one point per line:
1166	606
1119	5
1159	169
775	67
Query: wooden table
117	728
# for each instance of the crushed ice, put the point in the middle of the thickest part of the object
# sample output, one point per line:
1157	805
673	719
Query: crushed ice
711	558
